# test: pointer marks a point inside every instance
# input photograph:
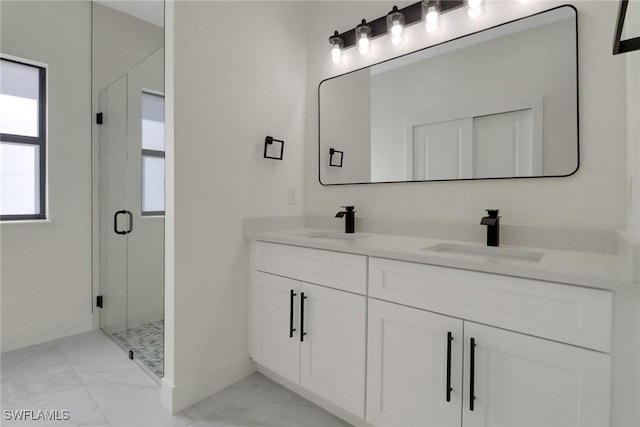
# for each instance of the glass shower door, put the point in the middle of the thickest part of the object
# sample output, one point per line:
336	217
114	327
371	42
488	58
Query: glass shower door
114	223
132	212
145	192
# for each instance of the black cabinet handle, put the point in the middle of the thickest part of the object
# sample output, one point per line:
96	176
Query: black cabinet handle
472	362
302	332
130	222
115	222
291	328
449	339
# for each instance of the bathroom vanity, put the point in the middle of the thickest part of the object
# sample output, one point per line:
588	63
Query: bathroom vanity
394	330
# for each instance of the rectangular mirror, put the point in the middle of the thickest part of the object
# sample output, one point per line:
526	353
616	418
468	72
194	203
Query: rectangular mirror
499	103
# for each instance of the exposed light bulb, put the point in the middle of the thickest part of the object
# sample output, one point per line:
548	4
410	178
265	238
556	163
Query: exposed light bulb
432	21
363	34
336	47
396	34
431	15
396	30
336	54
475	8
363	44
395	26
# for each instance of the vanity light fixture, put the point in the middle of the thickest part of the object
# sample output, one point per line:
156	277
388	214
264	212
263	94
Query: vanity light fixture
475	8
363	38
395	26
362	35
431	15
337	44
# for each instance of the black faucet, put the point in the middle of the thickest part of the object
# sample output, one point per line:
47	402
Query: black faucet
349	220
493	227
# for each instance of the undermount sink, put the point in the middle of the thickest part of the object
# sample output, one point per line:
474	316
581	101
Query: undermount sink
488	252
335	235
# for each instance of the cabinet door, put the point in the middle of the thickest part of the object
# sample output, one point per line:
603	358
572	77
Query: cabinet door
519	380
272	343
408	356
332	355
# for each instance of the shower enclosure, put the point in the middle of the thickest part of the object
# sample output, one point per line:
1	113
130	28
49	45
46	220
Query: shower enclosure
130	135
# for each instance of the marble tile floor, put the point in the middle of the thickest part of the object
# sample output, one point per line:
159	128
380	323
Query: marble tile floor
147	343
91	376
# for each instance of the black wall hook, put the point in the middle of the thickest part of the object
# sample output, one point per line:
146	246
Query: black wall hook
269	141
336	153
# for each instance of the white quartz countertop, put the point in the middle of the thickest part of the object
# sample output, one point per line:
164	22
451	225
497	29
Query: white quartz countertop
602	271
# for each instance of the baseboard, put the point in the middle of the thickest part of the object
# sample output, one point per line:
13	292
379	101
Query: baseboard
180	395
49	330
167	389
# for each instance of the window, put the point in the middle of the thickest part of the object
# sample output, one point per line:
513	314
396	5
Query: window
152	154
22	141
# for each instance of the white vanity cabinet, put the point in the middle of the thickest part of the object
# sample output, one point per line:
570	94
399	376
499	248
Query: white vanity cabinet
274	302
516	379
312	334
414	357
333	353
519	380
437	346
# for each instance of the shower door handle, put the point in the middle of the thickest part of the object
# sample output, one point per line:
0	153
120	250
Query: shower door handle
115	222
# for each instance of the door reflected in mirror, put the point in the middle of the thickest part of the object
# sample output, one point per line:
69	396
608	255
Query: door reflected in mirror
500	103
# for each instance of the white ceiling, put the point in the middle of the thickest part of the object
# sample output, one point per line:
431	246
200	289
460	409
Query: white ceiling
151	11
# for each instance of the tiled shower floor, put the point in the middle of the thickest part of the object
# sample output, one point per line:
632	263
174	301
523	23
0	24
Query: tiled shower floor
147	343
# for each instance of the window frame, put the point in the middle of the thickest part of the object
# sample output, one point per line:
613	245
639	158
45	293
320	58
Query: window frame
38	141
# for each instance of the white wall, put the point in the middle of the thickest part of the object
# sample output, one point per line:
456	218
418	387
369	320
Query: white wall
592	198
235	81
119	43
46	265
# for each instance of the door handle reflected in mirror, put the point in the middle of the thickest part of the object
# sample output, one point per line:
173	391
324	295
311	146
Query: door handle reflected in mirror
115	222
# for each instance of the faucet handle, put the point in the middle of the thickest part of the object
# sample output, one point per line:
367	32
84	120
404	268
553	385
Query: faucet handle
348	208
493	213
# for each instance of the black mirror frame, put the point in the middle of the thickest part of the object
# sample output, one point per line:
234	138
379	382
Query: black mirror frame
619	45
578	155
